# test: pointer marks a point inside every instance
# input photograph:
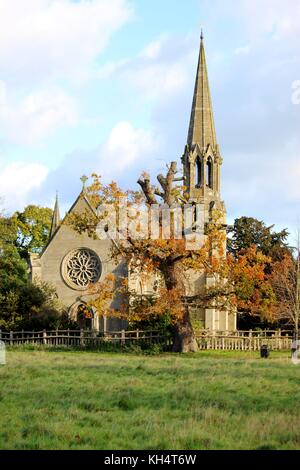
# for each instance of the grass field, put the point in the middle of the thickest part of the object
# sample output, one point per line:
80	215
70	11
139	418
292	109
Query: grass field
209	400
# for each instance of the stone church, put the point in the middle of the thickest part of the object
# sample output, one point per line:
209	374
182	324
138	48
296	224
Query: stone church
71	262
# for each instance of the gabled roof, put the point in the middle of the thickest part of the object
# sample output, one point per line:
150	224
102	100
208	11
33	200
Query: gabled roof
82	196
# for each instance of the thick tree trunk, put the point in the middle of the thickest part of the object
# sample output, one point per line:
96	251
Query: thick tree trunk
184	337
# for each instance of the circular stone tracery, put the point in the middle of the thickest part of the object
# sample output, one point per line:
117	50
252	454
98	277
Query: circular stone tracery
81	267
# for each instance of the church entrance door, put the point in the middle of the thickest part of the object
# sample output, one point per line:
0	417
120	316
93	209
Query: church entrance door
85	317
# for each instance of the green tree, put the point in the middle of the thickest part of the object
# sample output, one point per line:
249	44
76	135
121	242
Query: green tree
13	269
39	308
247	232
33	227
22	303
13	276
7	230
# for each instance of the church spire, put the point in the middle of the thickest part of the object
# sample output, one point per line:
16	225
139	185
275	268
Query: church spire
55	218
201	159
202	126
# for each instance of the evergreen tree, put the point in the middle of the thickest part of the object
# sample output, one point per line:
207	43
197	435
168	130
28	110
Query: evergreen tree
248	231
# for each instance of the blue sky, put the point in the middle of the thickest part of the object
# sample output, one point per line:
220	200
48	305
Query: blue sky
106	86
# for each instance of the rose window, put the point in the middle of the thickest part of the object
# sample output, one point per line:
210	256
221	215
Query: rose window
81	268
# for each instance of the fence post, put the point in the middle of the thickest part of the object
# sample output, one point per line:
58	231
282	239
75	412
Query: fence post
250	340
137	334
104	325
287	342
123	337
11	336
81	336
44	337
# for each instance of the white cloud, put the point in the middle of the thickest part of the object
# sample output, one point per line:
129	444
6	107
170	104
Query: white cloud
276	17
291	178
242	50
152	50
37	116
159	79
2	93
46	38
110	68
43	42
126	145
160	70
17	180
127	151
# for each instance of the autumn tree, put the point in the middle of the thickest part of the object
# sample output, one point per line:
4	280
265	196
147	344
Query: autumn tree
250	283
235	281
168	257
285	281
248	234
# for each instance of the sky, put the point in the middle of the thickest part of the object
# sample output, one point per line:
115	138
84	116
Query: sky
106	86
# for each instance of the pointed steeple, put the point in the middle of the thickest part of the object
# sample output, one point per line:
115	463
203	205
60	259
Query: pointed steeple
202	159
55	218
202	126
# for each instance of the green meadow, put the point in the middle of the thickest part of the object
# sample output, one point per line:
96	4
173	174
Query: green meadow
96	400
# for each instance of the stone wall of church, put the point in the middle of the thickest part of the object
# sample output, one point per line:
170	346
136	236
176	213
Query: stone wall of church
49	267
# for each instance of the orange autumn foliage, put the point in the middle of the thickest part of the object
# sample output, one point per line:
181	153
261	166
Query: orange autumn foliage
253	291
239	282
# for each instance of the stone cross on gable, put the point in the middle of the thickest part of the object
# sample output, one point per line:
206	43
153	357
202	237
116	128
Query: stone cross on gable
84	180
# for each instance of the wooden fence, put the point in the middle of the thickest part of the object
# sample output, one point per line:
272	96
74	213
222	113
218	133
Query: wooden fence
218	340
245	340
86	338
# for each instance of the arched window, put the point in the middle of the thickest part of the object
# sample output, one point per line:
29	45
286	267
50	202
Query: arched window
198	173
209	173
